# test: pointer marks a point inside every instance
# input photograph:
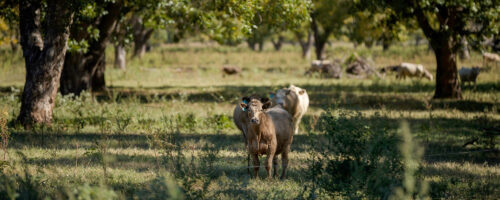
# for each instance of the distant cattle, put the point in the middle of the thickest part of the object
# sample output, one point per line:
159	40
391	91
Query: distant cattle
230	70
490	57
404	70
326	68
293	99
469	75
270	132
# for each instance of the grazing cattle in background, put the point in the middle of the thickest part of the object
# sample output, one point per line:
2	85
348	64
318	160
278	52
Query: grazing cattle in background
270	132
490	57
293	99
326	68
469	75
230	70
240	118
360	68
404	70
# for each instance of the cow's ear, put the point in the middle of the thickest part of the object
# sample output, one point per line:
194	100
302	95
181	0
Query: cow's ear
264	99
287	92
271	95
245	99
266	105
301	92
243	106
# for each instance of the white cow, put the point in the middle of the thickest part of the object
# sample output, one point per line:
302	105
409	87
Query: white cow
412	70
293	99
490	57
469	74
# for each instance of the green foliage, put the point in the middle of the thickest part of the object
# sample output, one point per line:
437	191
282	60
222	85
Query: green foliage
87	192
472	19
361	161
219	122
162	187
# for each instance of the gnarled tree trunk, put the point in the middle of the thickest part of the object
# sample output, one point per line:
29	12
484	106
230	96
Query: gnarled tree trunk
278	43
320	39
44	57
446	76
141	36
443	43
85	71
305	45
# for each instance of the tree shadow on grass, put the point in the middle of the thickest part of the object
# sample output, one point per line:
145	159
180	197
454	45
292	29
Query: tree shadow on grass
359	97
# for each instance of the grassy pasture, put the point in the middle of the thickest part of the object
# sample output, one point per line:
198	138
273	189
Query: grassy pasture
169	115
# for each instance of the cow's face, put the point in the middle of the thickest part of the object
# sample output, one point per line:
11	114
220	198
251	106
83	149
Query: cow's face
254	109
280	97
476	70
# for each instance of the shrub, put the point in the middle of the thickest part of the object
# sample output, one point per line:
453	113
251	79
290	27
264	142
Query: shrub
360	161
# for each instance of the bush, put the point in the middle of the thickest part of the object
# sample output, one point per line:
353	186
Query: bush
359	161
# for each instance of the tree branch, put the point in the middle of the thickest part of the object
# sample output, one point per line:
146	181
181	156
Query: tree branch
424	22
29	26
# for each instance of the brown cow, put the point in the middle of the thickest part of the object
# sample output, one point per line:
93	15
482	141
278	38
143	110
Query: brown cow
270	132
240	118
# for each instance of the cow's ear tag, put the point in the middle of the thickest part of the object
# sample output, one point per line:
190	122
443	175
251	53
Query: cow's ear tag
271	95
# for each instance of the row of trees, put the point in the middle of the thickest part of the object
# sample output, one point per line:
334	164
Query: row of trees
64	42
49	27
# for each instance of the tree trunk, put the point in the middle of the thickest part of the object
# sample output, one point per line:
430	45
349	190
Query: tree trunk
261	45
385	45
44	57
446	75
120	57
251	44
277	44
319	45
141	36
305	45
98	81
85	71
442	42
320	39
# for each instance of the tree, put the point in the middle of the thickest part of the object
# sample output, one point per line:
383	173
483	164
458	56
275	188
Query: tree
44	48
327	17
9	24
444	24
305	38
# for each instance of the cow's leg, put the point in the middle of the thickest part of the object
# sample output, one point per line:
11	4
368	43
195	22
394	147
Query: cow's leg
284	161
296	125
275	166
269	164
256	164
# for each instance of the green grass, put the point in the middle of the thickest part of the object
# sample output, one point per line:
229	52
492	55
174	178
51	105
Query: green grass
169	114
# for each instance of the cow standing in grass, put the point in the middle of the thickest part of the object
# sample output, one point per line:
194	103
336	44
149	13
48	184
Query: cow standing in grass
270	132
293	99
469	75
240	119
404	70
490	57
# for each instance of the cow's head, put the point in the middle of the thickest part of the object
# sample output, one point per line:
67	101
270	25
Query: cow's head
255	108
428	75
476	70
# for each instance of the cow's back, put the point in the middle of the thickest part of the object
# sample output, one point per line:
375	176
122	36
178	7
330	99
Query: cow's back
283	125
239	118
